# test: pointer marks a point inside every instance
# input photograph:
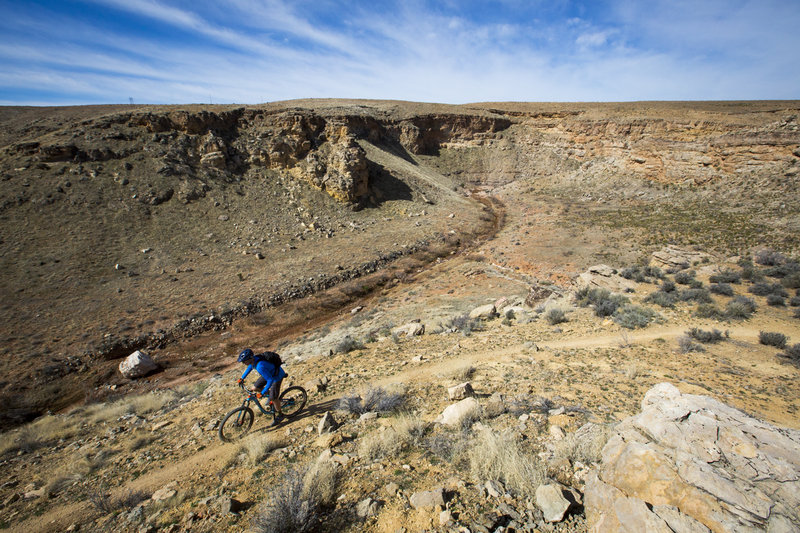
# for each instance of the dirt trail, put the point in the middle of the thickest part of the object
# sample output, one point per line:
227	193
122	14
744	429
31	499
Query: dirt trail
424	371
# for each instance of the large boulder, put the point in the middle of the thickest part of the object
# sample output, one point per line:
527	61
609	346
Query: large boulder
692	463
137	365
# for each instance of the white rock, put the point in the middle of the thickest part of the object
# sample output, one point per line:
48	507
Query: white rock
460	391
428	498
484	311
327	423
454	414
164	493
367	507
411	329
556	432
551	501
136	365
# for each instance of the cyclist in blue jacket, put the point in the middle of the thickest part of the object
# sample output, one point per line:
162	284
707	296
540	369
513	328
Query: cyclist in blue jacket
269	381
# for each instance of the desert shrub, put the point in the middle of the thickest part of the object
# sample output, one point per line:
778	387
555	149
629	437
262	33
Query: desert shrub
783	270
102	500
695	295
685	277
696	284
555	316
797	313
633	273
769	258
348	344
751	273
706	337
775	300
641	274
633	316
375	399
499	456
726	276
772	338
740	307
794	301
607	307
792	353
710	311
603	301
291	507
686	345
792	281
765	289
667	286
724	289
653	272
464	324
661	298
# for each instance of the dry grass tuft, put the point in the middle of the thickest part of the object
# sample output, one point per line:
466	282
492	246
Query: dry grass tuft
585	445
256	447
49	428
140	405
499	457
404	430
320	482
462	373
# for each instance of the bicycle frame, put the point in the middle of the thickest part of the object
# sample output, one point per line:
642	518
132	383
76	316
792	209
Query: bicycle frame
251	397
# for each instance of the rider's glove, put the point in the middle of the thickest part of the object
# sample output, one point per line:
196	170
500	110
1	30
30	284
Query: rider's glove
239	381
258	395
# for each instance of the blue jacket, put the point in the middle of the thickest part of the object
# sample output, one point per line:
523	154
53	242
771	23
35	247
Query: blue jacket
267	371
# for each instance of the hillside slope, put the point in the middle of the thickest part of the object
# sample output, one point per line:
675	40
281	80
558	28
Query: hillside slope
127	227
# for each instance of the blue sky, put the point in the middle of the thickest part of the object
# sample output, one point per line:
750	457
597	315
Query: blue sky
249	51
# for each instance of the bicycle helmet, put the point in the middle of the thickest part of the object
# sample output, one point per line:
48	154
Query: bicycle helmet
246	355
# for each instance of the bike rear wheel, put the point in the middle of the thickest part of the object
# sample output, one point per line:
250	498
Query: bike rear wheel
236	424
293	400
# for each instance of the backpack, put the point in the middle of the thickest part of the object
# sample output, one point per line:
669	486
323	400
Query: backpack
272	358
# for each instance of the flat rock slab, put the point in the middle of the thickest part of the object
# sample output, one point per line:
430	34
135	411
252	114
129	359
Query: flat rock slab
691	463
428	498
551	501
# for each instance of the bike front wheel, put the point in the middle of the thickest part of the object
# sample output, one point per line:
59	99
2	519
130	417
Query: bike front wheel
293	400
236	424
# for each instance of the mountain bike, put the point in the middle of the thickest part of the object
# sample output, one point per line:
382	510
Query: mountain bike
238	422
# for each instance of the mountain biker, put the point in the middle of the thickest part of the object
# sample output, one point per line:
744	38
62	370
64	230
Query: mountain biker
269	381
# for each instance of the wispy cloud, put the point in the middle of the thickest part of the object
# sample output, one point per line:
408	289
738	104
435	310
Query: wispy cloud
249	51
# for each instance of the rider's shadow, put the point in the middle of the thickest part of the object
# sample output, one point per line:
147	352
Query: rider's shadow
311	413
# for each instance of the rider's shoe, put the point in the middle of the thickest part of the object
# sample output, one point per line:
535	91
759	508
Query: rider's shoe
277	420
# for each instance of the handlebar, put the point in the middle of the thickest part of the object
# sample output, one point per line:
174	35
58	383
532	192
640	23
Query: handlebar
251	393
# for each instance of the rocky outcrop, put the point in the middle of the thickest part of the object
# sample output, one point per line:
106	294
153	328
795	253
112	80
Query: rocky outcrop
692	463
604	277
676	257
